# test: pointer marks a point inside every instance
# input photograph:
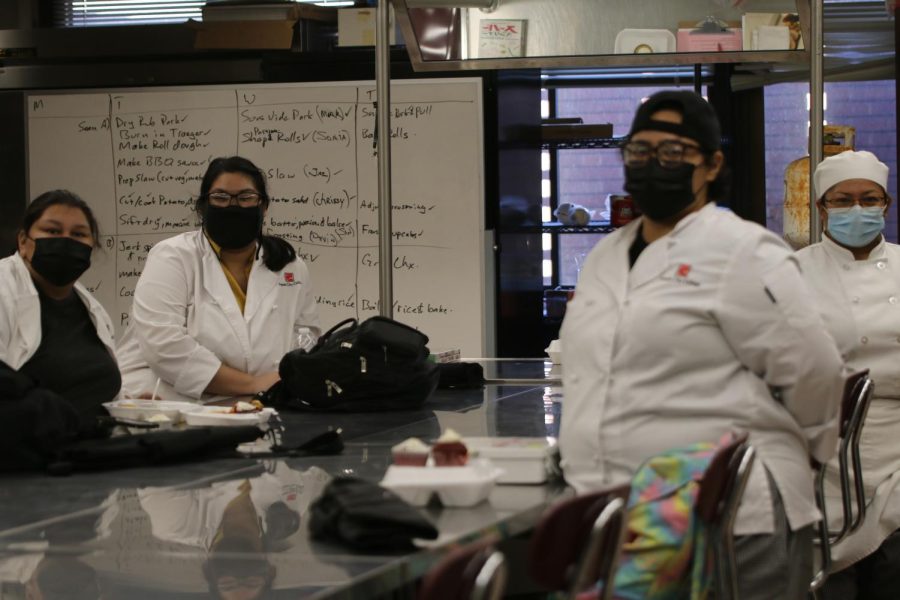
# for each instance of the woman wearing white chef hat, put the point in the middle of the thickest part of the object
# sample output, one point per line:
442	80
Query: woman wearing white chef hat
855	275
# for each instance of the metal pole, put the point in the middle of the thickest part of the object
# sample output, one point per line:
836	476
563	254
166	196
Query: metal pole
816	112
383	148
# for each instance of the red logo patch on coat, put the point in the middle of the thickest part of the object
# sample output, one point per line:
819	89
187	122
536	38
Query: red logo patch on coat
683	270
289	277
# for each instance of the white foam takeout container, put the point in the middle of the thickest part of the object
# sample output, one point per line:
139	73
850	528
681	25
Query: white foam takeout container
522	459
141	410
459	486
554	351
219	415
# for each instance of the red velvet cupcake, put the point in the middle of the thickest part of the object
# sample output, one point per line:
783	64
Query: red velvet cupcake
411	452
449	450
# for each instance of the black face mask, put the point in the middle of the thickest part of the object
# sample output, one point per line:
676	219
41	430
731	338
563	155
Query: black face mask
658	192
60	260
232	227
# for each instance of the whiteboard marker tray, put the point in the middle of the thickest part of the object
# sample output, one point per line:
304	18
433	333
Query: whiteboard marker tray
221	416
467	485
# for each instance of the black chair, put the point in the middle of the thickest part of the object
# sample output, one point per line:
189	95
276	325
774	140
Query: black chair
577	541
721	490
858	391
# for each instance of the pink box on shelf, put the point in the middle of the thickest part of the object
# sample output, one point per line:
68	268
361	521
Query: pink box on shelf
730	40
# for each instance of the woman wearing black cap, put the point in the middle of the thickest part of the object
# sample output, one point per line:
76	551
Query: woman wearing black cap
690	323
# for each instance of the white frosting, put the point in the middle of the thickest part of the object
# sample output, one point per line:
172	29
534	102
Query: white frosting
411	445
450	435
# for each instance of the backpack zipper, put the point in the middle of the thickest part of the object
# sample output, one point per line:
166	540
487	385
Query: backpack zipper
332	386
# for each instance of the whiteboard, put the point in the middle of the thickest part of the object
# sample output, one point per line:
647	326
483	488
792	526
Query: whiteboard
137	157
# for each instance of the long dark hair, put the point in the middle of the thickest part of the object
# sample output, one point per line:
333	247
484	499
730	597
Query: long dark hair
276	252
36	209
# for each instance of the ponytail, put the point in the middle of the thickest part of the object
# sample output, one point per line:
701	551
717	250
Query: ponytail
276	252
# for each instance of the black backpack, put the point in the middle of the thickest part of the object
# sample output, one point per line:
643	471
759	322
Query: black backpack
380	364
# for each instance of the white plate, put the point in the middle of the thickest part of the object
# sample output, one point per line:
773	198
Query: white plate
455	486
219	415
141	410
644	41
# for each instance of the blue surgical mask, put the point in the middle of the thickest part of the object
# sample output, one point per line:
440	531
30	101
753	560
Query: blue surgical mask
856	226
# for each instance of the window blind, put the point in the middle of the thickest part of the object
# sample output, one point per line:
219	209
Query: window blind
89	13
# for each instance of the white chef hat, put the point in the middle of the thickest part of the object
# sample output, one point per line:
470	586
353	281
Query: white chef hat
849	165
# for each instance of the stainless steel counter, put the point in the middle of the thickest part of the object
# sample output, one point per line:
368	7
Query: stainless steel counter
241	524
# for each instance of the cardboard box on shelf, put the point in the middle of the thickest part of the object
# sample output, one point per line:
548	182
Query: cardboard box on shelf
730	40
767	39
301	35
244	35
356	27
276	11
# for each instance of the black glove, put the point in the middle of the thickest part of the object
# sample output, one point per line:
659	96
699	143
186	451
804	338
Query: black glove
367	517
34	422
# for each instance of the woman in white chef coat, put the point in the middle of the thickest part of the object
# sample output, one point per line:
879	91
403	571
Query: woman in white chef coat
51	328
689	323
855	274
216	309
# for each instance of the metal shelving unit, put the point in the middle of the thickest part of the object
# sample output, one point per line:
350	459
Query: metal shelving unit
582	144
557	227
439	47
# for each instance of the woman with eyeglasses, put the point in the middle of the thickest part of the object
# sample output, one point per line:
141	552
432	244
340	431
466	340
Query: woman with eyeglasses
690	323
216	309
51	328
855	275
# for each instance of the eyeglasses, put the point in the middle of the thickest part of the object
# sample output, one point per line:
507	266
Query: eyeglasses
245	199
669	153
848	201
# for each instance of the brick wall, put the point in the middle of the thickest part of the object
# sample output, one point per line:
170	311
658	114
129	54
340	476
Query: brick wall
866	105
587	176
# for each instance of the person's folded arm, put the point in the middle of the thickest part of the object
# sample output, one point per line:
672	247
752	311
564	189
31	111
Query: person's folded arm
231	382
768	316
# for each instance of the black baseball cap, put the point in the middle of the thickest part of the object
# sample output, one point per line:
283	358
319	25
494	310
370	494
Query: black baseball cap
698	119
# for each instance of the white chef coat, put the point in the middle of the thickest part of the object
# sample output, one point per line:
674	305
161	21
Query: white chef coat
859	301
192	516
711	331
186	322
20	314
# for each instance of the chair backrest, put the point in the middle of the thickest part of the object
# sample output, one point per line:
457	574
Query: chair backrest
718	480
570	530
854	407
601	553
721	490
864	398
455	576
490	582
852	390
823	537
